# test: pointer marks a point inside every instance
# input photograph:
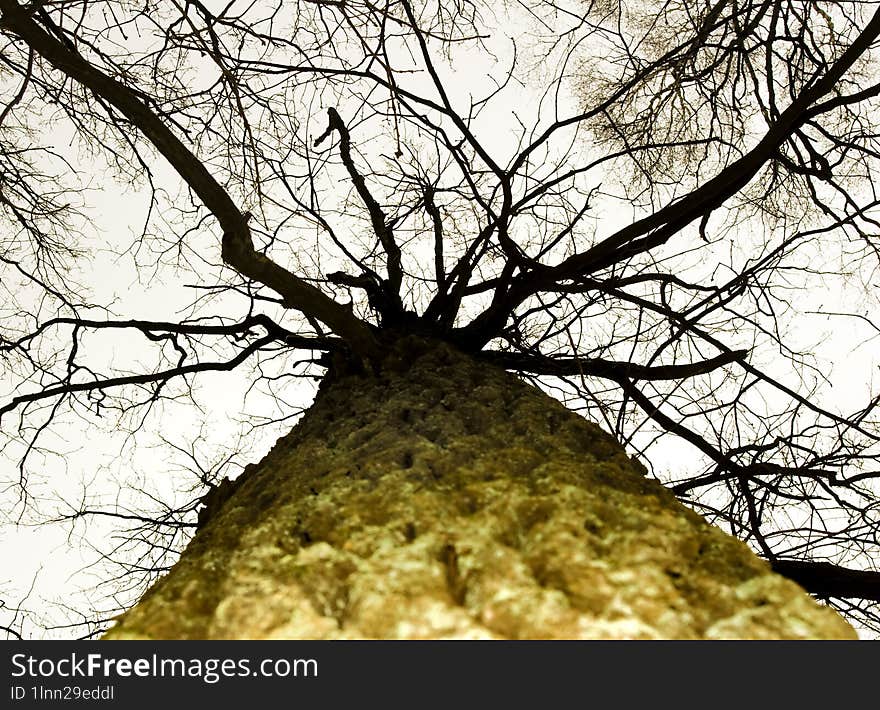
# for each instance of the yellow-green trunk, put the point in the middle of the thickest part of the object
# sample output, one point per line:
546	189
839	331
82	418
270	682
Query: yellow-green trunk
442	498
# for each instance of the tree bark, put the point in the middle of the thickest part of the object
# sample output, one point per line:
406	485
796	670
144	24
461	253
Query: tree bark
440	497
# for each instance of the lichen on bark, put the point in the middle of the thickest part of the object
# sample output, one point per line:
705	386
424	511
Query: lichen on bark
441	497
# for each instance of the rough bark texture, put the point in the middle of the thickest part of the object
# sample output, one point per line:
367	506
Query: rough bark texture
444	498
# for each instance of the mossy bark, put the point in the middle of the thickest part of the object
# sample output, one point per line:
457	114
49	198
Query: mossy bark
442	498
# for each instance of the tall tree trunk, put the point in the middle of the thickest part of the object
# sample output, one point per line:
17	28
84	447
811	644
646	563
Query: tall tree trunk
443	498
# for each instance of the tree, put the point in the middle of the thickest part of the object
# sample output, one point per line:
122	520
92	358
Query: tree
642	208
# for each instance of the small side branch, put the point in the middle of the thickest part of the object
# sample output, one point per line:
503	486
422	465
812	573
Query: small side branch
236	330
377	215
67	388
437	222
610	369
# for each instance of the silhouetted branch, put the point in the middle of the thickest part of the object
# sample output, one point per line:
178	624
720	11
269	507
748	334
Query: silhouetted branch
595	367
827	580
